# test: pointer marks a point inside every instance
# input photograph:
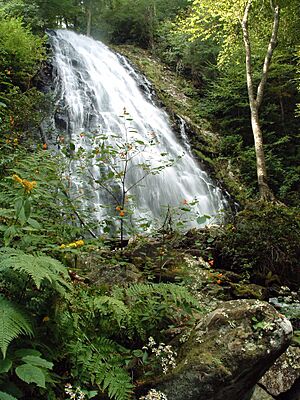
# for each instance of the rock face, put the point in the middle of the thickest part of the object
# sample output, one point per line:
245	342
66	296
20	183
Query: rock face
284	373
228	352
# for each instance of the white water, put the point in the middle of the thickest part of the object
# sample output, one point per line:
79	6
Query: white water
94	86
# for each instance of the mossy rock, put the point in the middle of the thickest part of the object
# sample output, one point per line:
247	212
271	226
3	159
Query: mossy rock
227	353
249	291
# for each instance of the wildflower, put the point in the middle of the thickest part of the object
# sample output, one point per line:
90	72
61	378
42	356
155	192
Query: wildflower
219	282
27	185
76	244
122	213
45	146
165	353
17	178
219	275
154	395
46	318
118	208
74	393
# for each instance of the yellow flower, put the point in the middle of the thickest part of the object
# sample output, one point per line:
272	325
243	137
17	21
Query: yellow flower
17	178
72	245
27	185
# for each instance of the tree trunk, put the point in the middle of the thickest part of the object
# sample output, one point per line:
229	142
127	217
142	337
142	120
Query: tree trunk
264	190
89	20
255	101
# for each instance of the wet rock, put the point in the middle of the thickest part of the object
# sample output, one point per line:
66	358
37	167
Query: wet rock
284	373
260	394
228	352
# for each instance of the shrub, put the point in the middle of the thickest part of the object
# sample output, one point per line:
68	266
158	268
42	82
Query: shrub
263	241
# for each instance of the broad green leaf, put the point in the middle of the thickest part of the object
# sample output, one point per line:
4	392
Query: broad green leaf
27	352
201	220
31	374
27	208
5	365
38	362
6	396
18	205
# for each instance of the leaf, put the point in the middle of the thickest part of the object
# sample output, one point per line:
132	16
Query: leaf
18	205
6	396
9	234
5	365
37	361
72	146
91	394
27	208
202	219
31	374
13	323
27	352
34	223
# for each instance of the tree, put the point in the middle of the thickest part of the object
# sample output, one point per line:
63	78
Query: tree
227	20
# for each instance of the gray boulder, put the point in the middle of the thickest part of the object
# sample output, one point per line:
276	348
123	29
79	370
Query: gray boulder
227	353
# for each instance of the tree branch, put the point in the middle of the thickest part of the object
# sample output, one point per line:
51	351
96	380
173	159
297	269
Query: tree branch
248	55
267	62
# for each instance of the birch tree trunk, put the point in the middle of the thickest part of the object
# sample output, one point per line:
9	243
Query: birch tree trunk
89	20
256	100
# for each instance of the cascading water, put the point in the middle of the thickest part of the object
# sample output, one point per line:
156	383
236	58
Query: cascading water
94	85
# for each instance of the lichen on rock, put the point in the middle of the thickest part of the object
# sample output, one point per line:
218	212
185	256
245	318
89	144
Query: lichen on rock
228	352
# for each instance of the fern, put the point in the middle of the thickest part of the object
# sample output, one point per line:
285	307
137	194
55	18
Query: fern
110	305
13	323
117	383
38	268
101	363
154	306
178	294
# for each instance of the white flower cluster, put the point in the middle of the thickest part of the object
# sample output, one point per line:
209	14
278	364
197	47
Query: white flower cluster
74	393
165	353
154	395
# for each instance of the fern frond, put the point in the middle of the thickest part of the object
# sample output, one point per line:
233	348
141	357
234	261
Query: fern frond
109	305
13	323
118	384
179	294
38	268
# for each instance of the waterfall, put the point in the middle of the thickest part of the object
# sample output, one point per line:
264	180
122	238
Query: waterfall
93	87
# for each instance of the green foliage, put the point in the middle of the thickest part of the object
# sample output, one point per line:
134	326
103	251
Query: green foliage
15	264
263	239
104	330
13	323
26	365
44	225
20	53
6	396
